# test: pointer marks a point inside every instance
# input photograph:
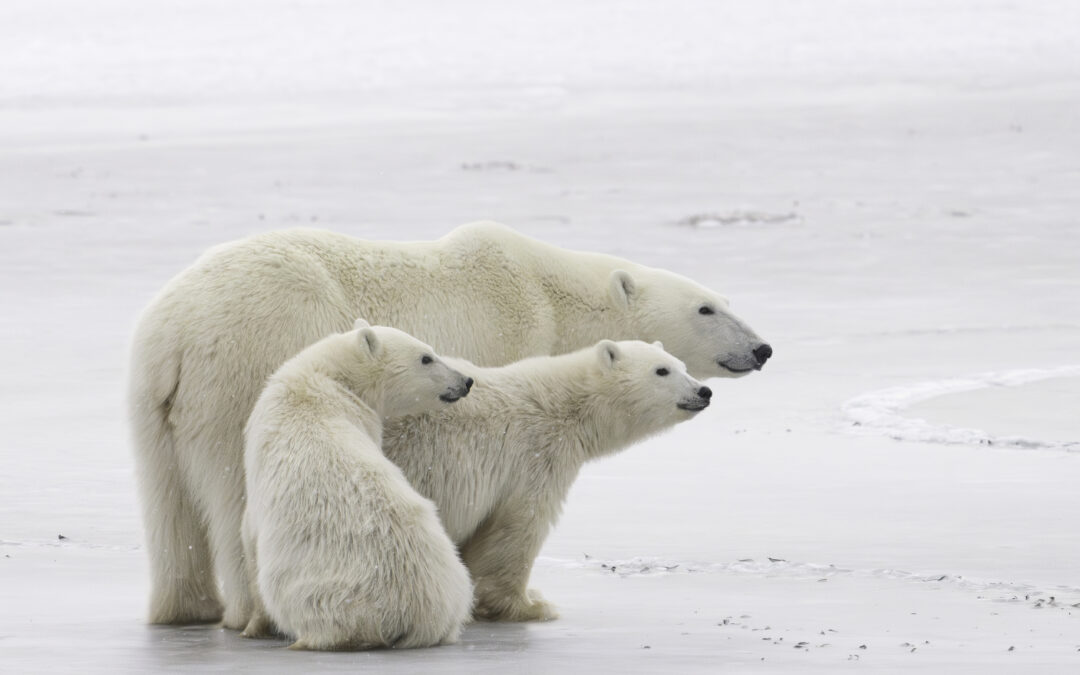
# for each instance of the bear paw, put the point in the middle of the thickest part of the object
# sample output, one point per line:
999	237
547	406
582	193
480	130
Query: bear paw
529	607
540	609
260	626
237	617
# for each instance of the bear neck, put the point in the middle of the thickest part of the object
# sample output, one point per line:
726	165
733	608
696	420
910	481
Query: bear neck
577	287
575	284
585	423
607	429
358	380
315	388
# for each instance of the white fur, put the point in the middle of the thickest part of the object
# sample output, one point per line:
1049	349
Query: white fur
346	554
207	343
499	464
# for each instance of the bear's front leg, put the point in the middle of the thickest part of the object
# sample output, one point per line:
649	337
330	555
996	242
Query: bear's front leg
500	557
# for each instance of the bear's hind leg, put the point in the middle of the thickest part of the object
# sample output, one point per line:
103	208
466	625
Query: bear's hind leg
183	589
225	536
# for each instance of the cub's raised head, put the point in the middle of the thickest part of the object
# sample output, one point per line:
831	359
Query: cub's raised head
412	378
647	387
694	323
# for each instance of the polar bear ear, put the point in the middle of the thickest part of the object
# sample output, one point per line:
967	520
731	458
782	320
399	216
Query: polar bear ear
370	341
622	288
360	323
608	352
658	345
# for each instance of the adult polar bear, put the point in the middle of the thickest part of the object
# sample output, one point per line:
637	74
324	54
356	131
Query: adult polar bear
204	347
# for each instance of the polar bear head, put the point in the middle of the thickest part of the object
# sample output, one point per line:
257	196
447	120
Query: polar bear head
694	323
407	375
642	389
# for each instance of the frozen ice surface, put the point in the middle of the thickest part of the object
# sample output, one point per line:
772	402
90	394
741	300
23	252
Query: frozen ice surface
1019	415
884	411
886	190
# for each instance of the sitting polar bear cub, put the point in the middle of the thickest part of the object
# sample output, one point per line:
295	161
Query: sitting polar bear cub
344	553
499	464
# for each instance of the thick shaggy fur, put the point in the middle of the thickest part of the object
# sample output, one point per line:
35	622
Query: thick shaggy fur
499	464
346	554
205	346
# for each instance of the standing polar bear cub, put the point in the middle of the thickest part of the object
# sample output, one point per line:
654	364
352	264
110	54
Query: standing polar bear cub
345	554
206	344
499	464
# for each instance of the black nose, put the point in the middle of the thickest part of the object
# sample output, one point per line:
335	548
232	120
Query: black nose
468	383
762	354
705	393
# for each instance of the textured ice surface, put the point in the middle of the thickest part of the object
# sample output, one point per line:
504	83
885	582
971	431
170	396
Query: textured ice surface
883	411
926	152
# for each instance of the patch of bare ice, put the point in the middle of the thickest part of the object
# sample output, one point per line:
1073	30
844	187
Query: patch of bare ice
880	412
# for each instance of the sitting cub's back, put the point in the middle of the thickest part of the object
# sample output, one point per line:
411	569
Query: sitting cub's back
346	554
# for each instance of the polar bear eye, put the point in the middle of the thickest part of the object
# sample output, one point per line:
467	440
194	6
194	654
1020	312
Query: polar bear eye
662	371
705	309
425	359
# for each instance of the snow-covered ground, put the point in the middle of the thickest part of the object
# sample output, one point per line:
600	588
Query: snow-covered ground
888	191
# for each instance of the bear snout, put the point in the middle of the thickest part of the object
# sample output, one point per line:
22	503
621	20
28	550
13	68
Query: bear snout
761	354
699	402
458	391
